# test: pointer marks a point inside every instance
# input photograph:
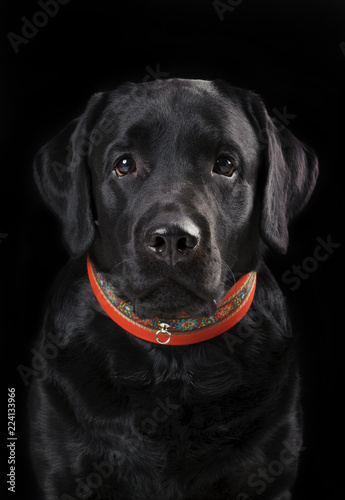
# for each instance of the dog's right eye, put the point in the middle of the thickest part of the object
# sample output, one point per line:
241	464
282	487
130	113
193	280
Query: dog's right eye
224	166
124	166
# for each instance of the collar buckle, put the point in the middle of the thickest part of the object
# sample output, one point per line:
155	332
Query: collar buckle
163	330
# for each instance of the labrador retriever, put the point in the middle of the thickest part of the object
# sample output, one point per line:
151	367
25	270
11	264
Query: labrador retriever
169	193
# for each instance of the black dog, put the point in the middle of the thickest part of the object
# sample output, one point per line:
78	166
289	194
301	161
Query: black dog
175	189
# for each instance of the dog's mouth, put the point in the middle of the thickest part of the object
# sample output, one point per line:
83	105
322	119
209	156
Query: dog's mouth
171	299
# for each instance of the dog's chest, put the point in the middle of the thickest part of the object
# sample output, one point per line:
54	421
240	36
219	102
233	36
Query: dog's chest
182	417
174	441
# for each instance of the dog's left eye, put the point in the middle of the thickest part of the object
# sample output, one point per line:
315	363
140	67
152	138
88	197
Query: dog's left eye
224	166
124	166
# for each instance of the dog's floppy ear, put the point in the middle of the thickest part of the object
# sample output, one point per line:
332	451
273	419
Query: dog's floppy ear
290	173
62	175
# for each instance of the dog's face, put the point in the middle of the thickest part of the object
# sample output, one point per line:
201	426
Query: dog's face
172	186
174	190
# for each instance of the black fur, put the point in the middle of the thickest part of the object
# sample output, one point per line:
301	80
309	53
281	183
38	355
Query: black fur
114	416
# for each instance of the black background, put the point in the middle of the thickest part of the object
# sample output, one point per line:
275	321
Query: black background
289	52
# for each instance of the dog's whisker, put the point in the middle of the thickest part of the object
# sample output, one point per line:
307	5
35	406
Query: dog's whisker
120	263
230	272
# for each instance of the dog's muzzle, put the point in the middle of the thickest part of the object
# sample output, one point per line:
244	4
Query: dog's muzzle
172	242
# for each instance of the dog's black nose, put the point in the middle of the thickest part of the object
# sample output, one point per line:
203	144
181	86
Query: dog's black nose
172	242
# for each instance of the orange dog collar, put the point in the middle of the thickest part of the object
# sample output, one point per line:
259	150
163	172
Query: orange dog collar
180	331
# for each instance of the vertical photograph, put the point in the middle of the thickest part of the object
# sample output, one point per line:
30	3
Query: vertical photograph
171	249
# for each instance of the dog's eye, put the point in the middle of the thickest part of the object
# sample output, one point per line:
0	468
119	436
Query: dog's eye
124	166
224	166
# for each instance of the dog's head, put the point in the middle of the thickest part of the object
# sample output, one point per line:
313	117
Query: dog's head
172	186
